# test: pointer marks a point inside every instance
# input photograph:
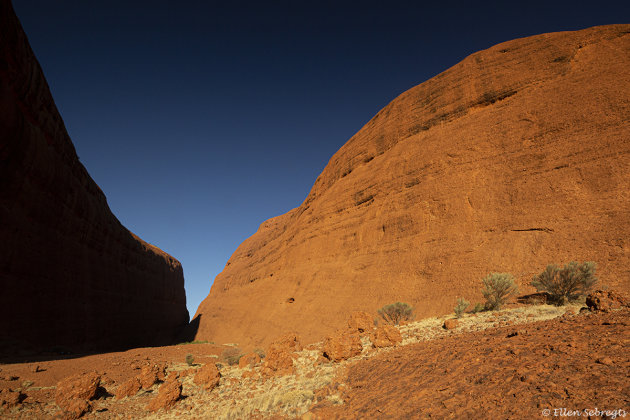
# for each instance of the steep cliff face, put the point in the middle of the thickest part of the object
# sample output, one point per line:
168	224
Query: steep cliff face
71	274
517	157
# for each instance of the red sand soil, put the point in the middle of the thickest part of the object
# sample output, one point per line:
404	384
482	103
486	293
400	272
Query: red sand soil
510	364
578	362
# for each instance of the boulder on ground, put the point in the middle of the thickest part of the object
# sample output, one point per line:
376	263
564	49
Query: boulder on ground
10	399
342	345
386	336
605	301
79	387
361	321
279	359
450	324
168	394
249	360
128	389
152	374
208	376
75	409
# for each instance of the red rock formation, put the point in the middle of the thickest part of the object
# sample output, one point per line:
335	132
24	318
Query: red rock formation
208	376
386	336
168	394
71	274
342	345
517	157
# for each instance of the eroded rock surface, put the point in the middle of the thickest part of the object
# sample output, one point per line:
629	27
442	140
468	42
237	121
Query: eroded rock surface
73	277
517	157
342	345
386	336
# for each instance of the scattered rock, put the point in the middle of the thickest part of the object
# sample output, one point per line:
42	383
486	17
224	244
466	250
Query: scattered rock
208	376
605	301
78	387
169	393
37	369
386	336
10	399
279	359
249	374
607	361
450	324
151	374
74	410
128	389
342	345
249	360
361	321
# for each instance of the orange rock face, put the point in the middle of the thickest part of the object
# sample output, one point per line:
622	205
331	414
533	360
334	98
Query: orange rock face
72	275
517	157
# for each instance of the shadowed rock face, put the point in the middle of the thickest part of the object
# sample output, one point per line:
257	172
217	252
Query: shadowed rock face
517	157
71	275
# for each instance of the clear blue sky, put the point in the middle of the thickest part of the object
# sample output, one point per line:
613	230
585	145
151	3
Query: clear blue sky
201	119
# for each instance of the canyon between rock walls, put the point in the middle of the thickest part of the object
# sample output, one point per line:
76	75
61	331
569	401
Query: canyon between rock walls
515	158
73	277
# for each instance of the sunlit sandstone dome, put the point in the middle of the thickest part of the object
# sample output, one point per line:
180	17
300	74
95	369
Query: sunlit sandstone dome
517	157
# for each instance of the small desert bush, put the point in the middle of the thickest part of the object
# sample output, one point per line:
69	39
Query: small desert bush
568	283
190	359
497	289
479	307
394	313
232	355
260	353
461	306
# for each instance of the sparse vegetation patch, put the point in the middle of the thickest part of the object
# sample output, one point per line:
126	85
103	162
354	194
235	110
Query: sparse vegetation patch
394	313
460	308
497	289
568	283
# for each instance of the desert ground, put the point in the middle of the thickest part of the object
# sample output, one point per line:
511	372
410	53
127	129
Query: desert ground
523	361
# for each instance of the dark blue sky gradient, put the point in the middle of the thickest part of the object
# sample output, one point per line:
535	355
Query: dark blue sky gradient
201	119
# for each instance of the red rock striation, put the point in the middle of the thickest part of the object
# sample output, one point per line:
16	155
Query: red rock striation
71	274
517	157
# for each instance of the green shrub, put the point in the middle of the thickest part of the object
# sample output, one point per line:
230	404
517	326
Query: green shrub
232	355
394	313
568	283
478	308
190	359
498	287
461	306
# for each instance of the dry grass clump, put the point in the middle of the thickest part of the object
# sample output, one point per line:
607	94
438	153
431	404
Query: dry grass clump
232	355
